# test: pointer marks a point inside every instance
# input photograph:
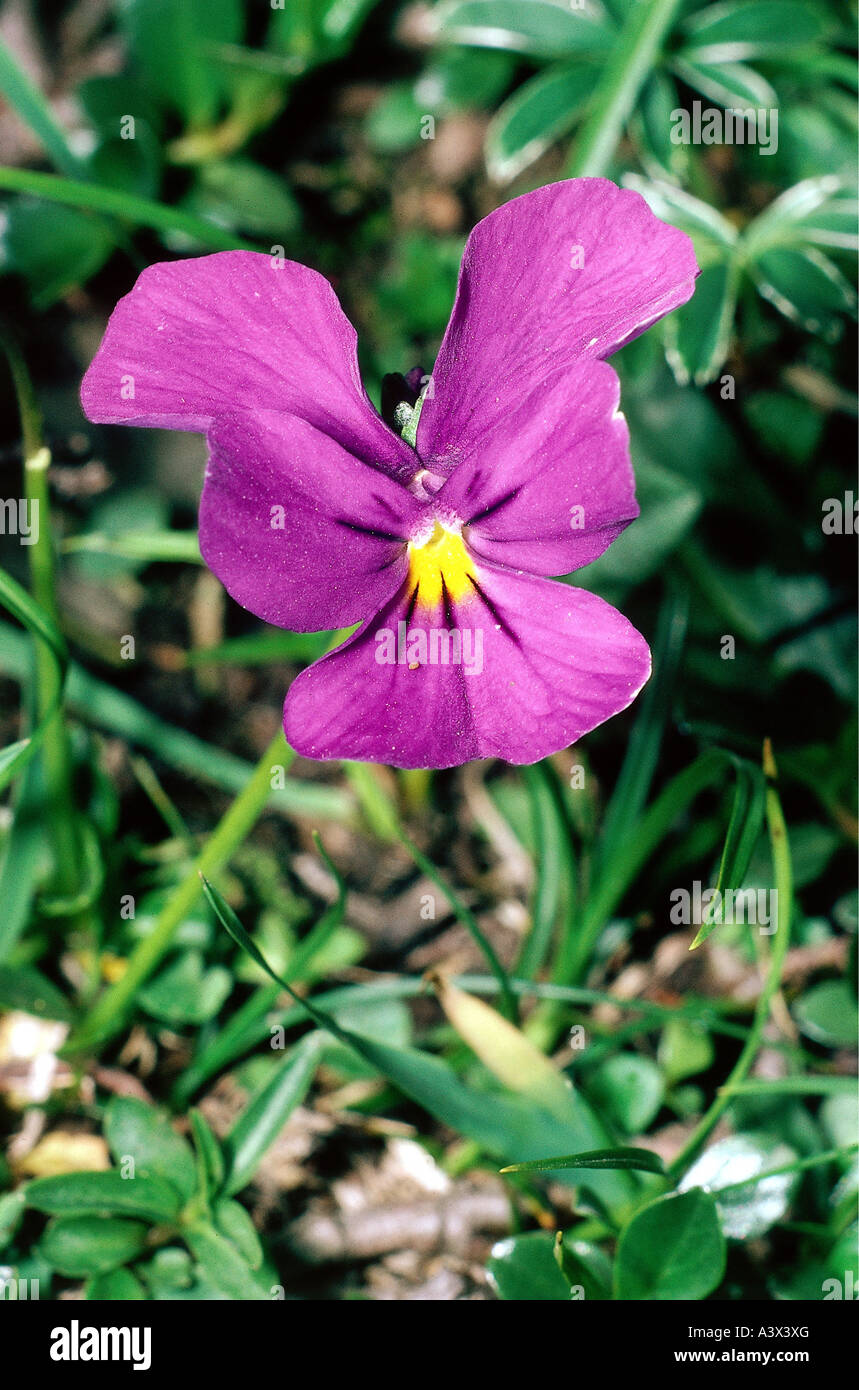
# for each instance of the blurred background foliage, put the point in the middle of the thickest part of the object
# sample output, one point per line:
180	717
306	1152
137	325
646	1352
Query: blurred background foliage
365	137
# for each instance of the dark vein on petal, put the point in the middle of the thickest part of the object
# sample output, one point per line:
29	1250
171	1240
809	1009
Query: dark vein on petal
494	611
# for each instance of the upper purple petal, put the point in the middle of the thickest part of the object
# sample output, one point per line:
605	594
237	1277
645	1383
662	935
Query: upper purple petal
195	339
297	529
572	270
551	486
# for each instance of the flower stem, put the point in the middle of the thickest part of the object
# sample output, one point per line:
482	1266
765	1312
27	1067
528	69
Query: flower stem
623	78
107	1015
55	752
780	850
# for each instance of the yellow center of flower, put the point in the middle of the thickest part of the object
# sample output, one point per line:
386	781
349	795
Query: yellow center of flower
439	563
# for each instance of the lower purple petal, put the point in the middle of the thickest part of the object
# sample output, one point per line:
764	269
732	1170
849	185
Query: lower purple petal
540	664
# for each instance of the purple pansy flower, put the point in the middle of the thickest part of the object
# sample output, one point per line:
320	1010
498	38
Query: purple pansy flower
316	514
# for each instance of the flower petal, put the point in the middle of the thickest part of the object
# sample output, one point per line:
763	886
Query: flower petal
199	338
552	486
572	270
298	530
548	663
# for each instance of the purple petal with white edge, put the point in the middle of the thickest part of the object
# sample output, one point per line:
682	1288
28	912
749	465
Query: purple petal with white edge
552	486
573	270
236	331
540	664
297	529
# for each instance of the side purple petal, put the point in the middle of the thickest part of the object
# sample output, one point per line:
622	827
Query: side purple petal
572	270
299	531
195	339
548	664
552	486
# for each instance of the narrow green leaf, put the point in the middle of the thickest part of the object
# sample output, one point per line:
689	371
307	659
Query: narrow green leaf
744	829
267	1112
644	1160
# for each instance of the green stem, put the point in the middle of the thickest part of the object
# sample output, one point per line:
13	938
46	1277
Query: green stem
783	874
55	752
141	212
623	78
108	1013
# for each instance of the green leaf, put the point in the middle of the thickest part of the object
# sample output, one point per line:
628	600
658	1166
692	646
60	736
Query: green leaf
33	109
79	1246
239	194
233	1222
141	212
750	1208
27	611
12	1208
673	1249
538	113
669	506
744	829
706	226
264	1117
54	249
524	1268
117	1286
509	1126
685	1049
627	1090
734	32
652	126
540	28
167	40
729	84
222	1265
185	991
136	1130
23	987
211	1168
806	287
827	1013
698	334
104	1194
787	426
643	1160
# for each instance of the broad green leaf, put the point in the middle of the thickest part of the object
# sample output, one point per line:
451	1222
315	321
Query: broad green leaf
627	1090
168	42
698	334
116	1286
806	287
524	1268
540	28
185	991
54	249
750	1208
79	1246
25	988
730	84
538	113
685	1049
652	124
223	1266
672	1250
108	1193
138	1131
234	1222
268	1111
238	193
734	32
827	1013
642	1160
